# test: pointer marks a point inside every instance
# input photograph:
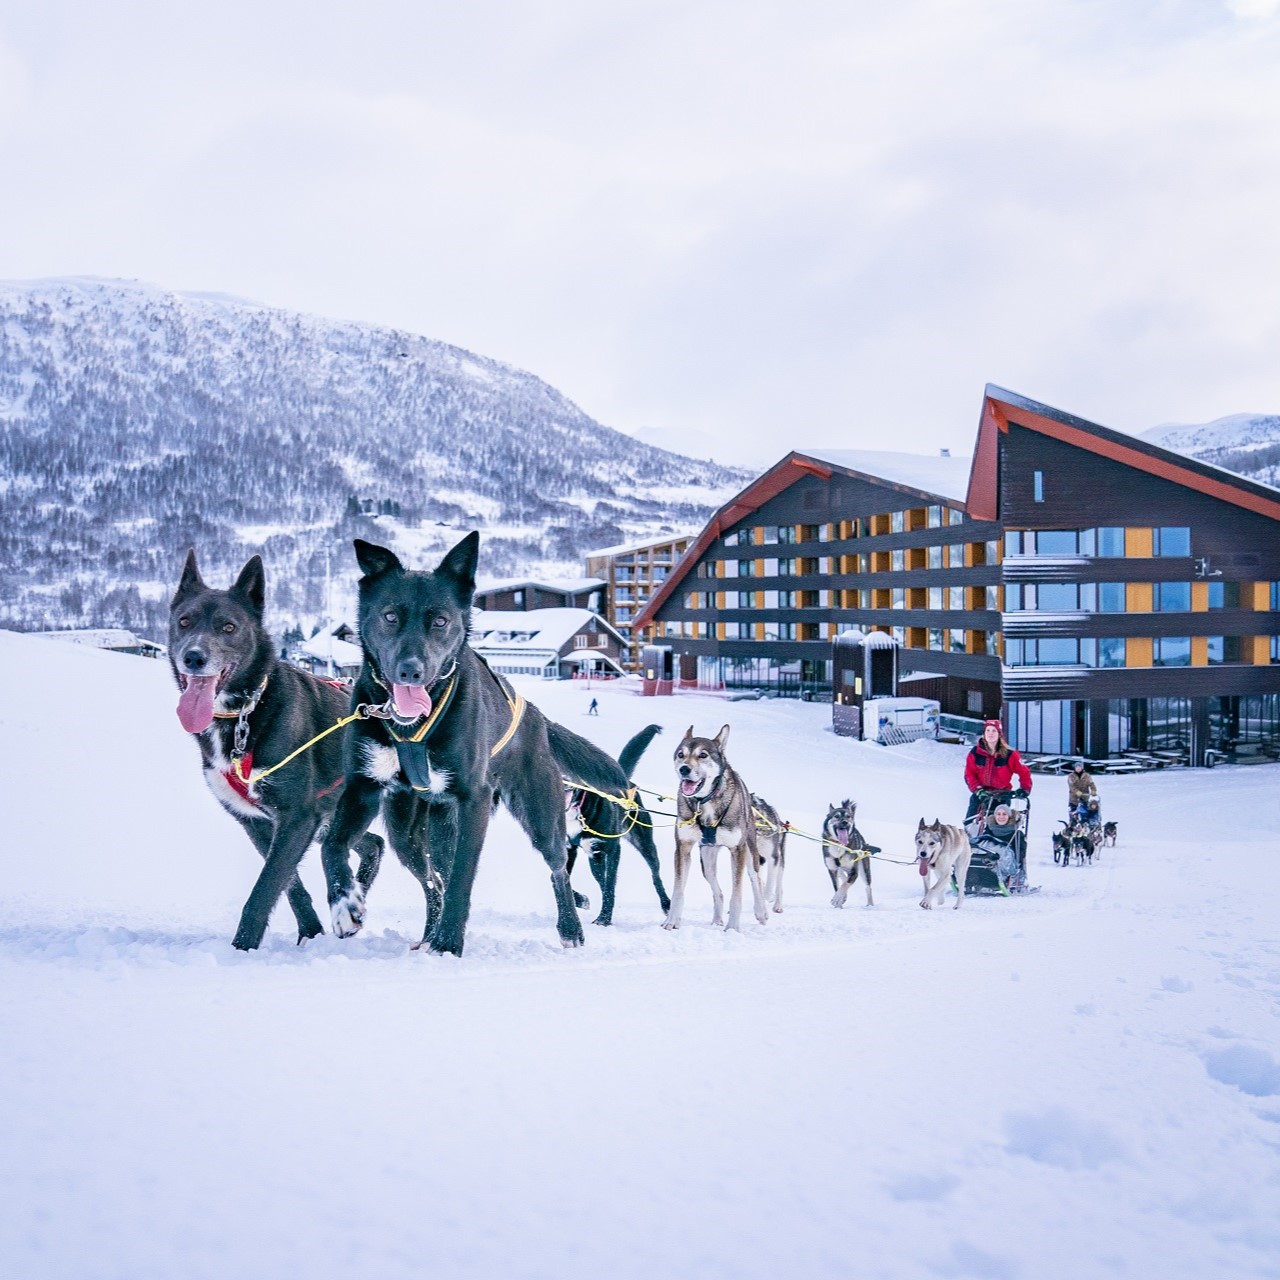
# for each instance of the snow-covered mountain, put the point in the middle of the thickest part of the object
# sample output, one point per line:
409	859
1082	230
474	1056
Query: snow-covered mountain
136	422
1247	443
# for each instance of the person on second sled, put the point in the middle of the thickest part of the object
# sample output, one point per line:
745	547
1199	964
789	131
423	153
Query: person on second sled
1081	789
993	765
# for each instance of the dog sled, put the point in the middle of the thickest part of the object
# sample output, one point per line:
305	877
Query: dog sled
1081	836
998	864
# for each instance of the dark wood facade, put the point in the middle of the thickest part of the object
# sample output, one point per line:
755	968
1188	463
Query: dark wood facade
1098	592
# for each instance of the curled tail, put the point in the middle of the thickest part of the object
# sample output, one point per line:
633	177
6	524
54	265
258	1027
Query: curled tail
630	755
583	761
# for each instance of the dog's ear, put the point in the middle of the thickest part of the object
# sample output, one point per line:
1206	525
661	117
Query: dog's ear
921	826
459	567
830	810
374	560
688	733
251	585
191	581
722	738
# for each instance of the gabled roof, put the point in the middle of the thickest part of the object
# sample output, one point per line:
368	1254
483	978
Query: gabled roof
544	628
910	470
1001	407
574	587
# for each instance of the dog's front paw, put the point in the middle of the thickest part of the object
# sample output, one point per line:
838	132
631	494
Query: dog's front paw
348	914
581	901
670	924
927	905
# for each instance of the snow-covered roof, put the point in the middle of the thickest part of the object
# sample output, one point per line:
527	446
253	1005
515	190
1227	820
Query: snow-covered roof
573	586
623	548
324	646
945	477
532	628
102	638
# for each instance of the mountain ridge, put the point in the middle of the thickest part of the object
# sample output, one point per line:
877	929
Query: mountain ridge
137	421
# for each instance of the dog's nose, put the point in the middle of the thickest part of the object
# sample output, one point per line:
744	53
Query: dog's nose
685	771
409	671
194	660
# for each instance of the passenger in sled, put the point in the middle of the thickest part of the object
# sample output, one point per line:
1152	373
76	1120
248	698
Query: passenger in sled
998	837
1082	797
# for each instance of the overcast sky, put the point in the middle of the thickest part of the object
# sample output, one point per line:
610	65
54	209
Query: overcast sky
758	225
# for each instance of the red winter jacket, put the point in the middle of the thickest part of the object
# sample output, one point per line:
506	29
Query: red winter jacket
982	769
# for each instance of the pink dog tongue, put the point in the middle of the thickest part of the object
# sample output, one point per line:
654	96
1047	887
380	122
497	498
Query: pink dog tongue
412	701
195	704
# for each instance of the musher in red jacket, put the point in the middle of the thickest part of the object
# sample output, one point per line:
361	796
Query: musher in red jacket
993	765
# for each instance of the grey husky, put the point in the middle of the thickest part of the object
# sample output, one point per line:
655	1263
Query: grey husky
941	851
714	808
845	852
445	738
248	711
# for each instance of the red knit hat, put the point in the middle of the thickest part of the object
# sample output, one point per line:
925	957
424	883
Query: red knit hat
989	724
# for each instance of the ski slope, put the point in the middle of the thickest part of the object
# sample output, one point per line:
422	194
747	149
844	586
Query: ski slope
1082	1083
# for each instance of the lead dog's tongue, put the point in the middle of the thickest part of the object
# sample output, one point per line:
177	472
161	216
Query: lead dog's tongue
195	704
412	701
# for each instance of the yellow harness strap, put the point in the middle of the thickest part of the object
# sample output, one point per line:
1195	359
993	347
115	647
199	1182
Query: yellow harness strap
516	703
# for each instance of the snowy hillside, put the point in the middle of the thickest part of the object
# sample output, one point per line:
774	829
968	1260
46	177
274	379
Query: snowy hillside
1079	1083
1247	443
135	423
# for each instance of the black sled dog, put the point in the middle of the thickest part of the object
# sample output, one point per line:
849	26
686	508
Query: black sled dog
248	711
447	739
593	822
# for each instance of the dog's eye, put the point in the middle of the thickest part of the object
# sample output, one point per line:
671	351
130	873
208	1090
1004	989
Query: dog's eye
229	627
184	623
440	621
389	616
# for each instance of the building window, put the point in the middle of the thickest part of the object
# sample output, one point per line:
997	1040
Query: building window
935	638
1275	596
898	598
1173	651
935	518
1111	651
955	597
746	568
1109	541
956	639
935	557
1226	595
1172	542
1172	597
993	597
1039	486
1013	542
1111	597
897	522
973	701
1223	649
602	641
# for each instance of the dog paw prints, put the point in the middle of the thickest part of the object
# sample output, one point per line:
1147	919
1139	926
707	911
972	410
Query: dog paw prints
1062	1138
968	1260
1175	983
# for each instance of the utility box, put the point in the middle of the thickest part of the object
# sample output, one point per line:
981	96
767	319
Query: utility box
657	667
864	665
894	721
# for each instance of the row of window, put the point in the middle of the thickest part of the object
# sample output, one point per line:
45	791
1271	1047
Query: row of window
1110	651
934	517
899	560
981	597
1110	597
1110	541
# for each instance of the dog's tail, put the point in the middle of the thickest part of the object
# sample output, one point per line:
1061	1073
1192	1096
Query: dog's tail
630	755
582	761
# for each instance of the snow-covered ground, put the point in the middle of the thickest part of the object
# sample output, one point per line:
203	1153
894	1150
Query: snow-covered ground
1081	1083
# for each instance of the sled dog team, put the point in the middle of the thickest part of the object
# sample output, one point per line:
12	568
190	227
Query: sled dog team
431	739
